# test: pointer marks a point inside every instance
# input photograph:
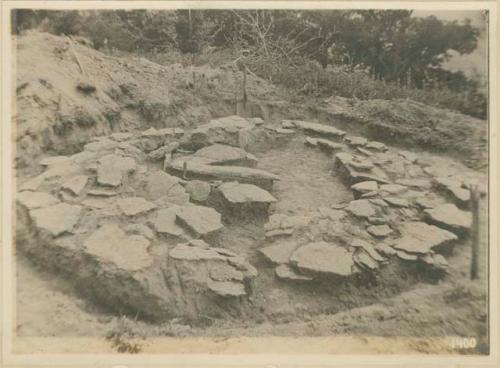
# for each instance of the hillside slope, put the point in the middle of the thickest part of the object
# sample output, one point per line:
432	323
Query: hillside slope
58	109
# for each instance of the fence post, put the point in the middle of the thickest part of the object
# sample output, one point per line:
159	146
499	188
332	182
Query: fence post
475	234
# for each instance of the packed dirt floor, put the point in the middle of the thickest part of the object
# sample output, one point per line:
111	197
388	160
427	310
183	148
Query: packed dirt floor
350	190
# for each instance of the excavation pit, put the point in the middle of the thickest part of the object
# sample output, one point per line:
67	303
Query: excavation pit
254	221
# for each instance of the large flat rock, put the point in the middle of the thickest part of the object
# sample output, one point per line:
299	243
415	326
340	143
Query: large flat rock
112	168
199	219
132	206
226	173
75	184
165	222
236	193
279	253
361	208
32	200
322	257
419	237
317	128
111	244
449	217
220	154
56	219
165	189
453	189
324	144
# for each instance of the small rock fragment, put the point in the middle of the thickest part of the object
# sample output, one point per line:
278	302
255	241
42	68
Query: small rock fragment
198	190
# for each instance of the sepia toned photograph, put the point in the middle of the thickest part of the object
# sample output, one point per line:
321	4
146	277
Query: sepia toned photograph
228	180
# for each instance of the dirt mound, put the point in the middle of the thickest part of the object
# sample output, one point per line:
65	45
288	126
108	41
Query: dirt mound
61	105
413	124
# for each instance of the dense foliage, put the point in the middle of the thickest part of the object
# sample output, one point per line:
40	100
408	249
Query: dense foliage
353	53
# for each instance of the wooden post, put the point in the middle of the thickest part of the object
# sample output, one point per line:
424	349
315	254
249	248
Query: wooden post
184	170
475	234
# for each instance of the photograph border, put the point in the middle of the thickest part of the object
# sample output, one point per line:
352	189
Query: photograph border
68	351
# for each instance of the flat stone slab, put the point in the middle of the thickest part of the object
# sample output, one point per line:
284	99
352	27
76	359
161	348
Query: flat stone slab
165	221
362	165
379	231
220	154
75	184
199	219
325	144
225	272
188	252
236	193
323	257
415	183
132	206
32	200
165	190
227	288
318	128
159	184
419	237
57	219
112	168
285	272
361	208
356	141
364	151
449	217
454	189
393	188
365	187
396	202
235	173
111	244
279	253
405	256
